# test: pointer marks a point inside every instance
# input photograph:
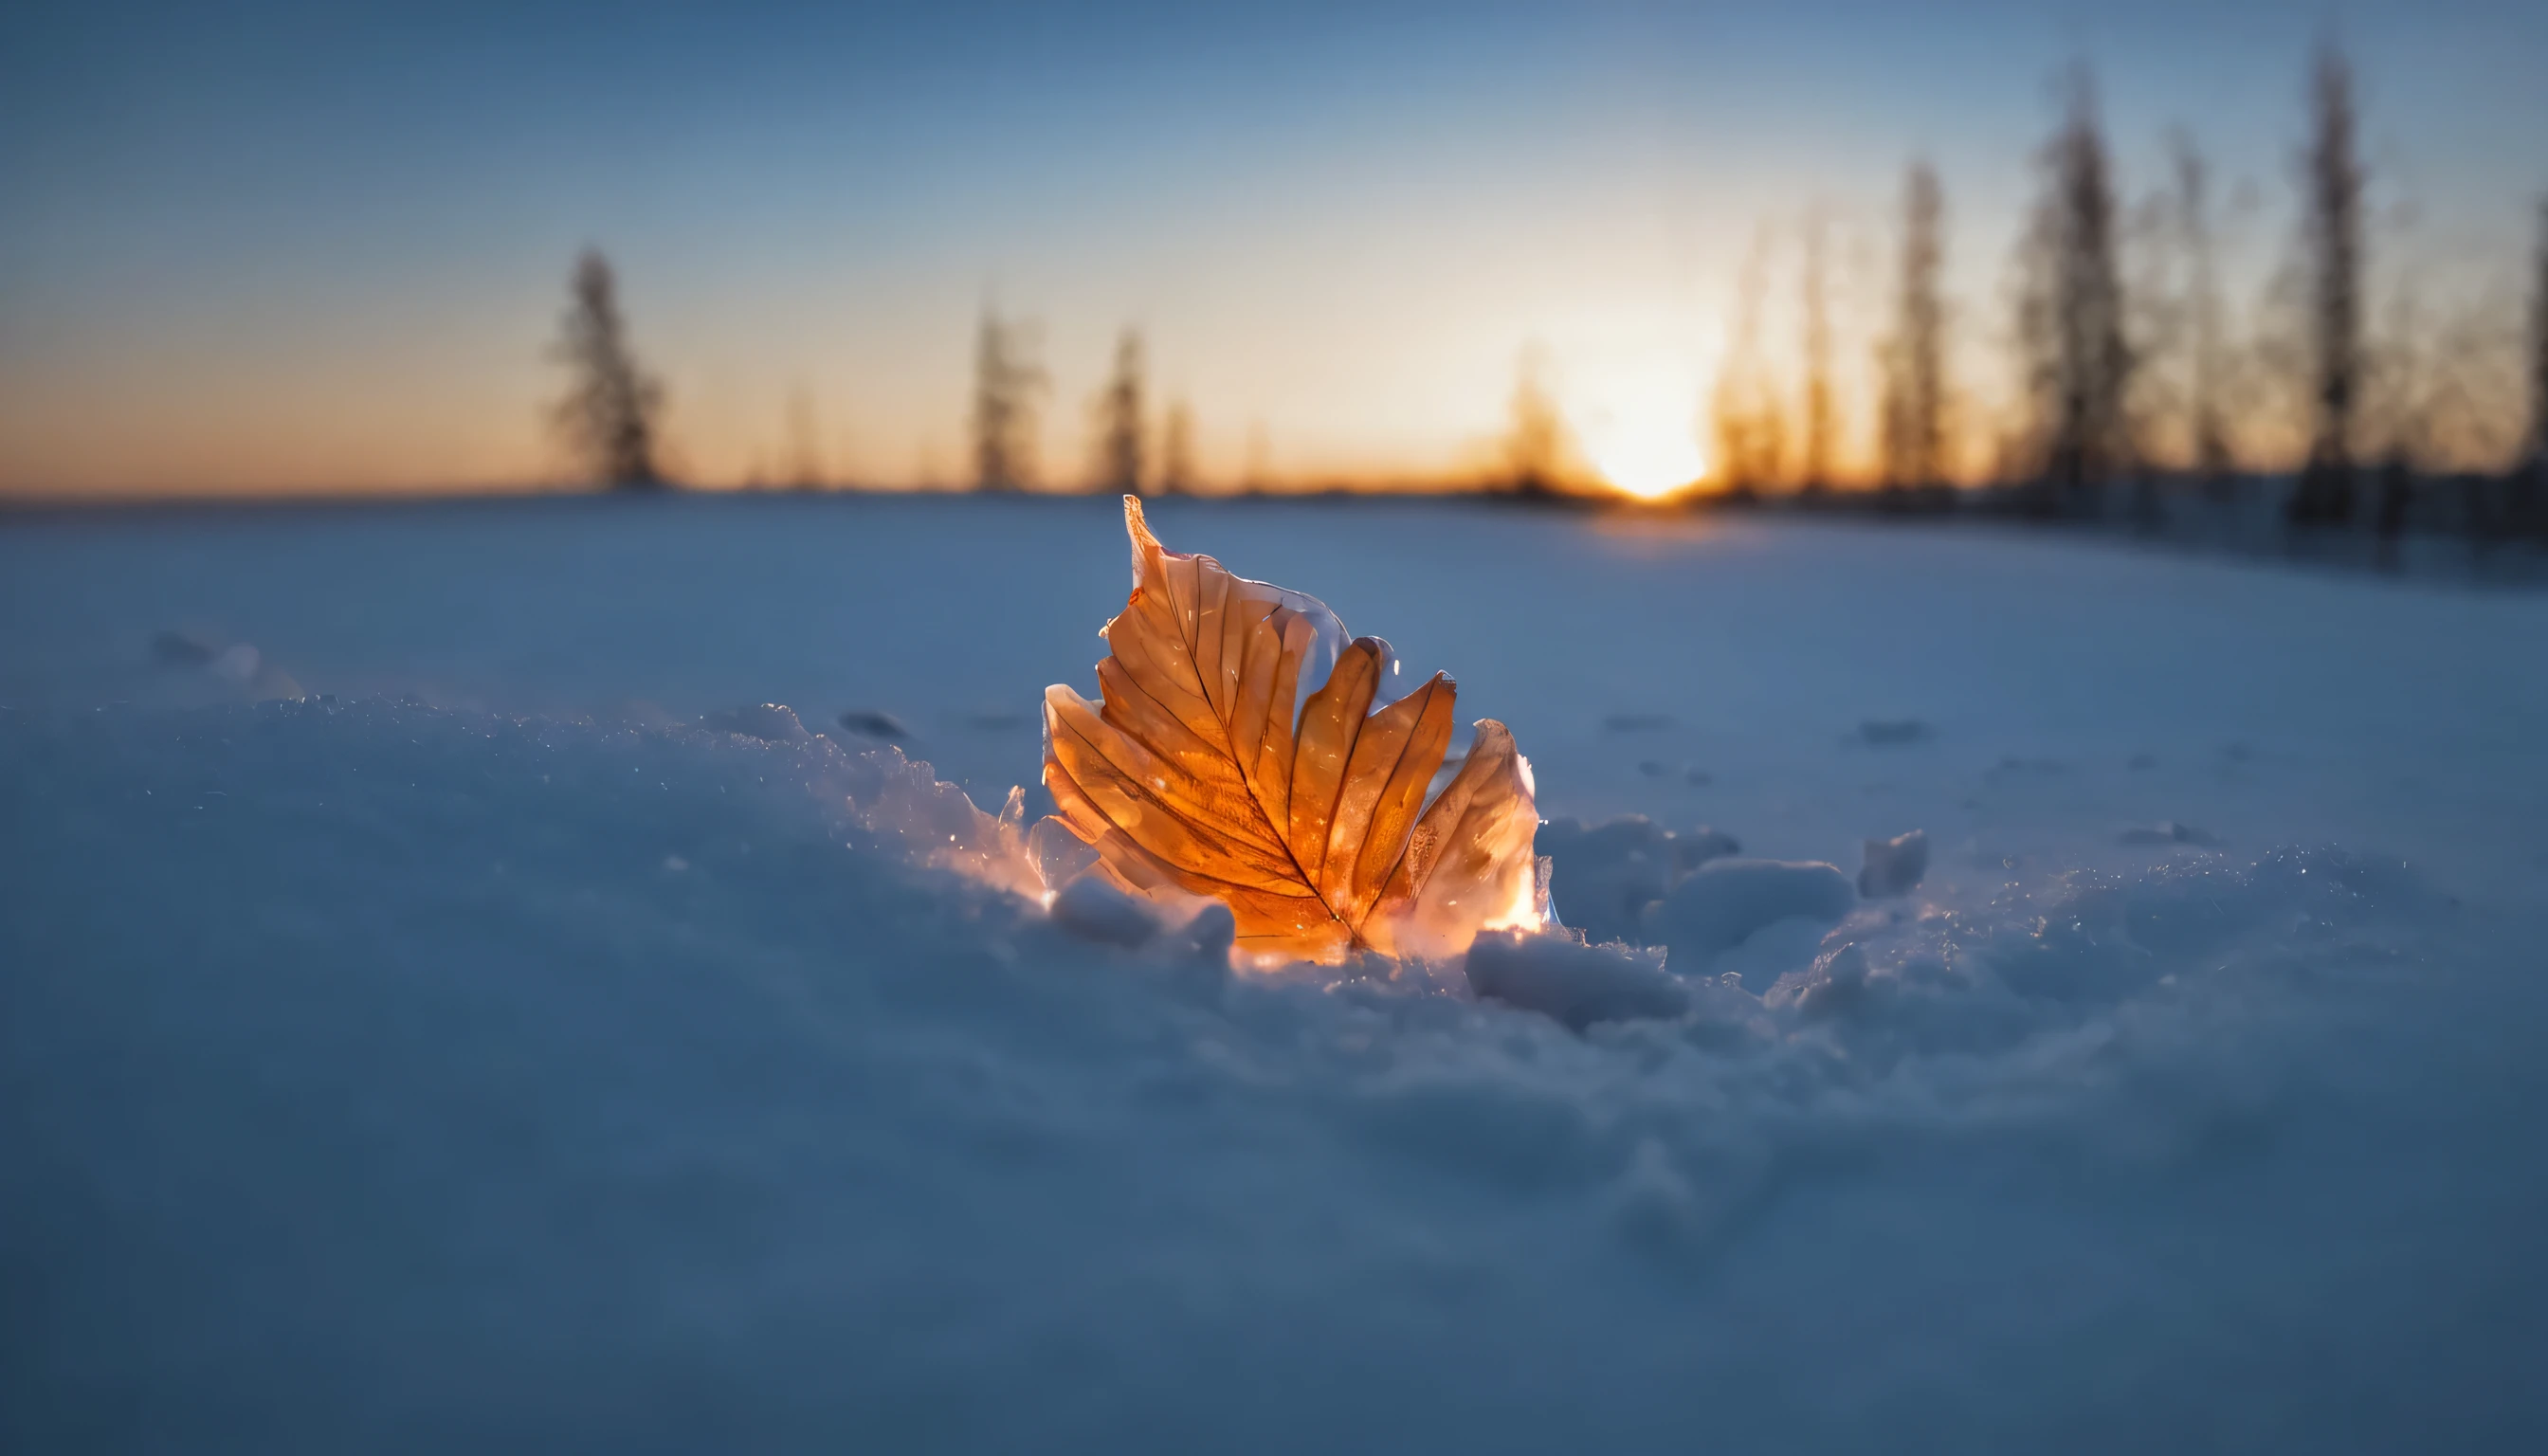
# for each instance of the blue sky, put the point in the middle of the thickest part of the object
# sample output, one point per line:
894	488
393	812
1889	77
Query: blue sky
304	247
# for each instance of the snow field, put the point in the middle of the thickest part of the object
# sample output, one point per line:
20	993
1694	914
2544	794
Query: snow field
513	1067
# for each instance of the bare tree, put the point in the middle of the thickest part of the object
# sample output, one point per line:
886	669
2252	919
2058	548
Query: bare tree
1118	419
1820	420
608	413
1008	385
1535	442
2071	317
1176	451
1256	472
1744	410
1913	360
2536	445
2400	390
2334	245
805	451
2210	437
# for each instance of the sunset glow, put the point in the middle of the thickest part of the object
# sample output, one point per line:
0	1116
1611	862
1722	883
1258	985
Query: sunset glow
1649	456
1329	297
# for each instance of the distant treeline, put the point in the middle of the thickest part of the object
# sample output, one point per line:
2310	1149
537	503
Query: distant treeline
2134	399
2133	389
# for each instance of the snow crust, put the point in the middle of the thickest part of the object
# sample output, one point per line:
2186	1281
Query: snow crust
404	1074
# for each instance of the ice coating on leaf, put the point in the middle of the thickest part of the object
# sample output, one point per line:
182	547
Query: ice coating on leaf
1329	640
1201	769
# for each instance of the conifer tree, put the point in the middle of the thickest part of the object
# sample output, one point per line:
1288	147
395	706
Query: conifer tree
2070	318
1913	358
1118	419
609	416
2334	245
1007	388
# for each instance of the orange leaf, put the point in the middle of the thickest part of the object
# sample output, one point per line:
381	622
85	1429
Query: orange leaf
1194	774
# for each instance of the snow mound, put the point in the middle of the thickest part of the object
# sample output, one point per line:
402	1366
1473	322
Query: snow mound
1577	984
1605	875
1726	901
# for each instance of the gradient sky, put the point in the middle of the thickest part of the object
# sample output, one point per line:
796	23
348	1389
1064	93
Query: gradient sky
275	248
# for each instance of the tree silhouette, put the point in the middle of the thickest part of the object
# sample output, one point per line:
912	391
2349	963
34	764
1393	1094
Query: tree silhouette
1750	430
1913	359
2334	245
1118	419
1008	385
1535	440
608	413
805	452
2212	460
1176	451
2071	317
1821	421
2531	492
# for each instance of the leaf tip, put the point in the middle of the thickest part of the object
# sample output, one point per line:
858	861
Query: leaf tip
1144	545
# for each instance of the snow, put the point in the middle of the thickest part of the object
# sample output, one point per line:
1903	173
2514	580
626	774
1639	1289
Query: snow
1894	866
1726	902
496	1053
1615	869
1573	981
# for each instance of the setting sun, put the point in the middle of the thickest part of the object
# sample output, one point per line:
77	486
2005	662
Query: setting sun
1648	457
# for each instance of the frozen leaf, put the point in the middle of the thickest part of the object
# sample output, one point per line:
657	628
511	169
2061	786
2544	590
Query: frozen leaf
1201	772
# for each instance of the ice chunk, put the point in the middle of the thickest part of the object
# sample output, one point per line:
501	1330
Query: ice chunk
1059	856
1893	865
1725	900
1569	981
